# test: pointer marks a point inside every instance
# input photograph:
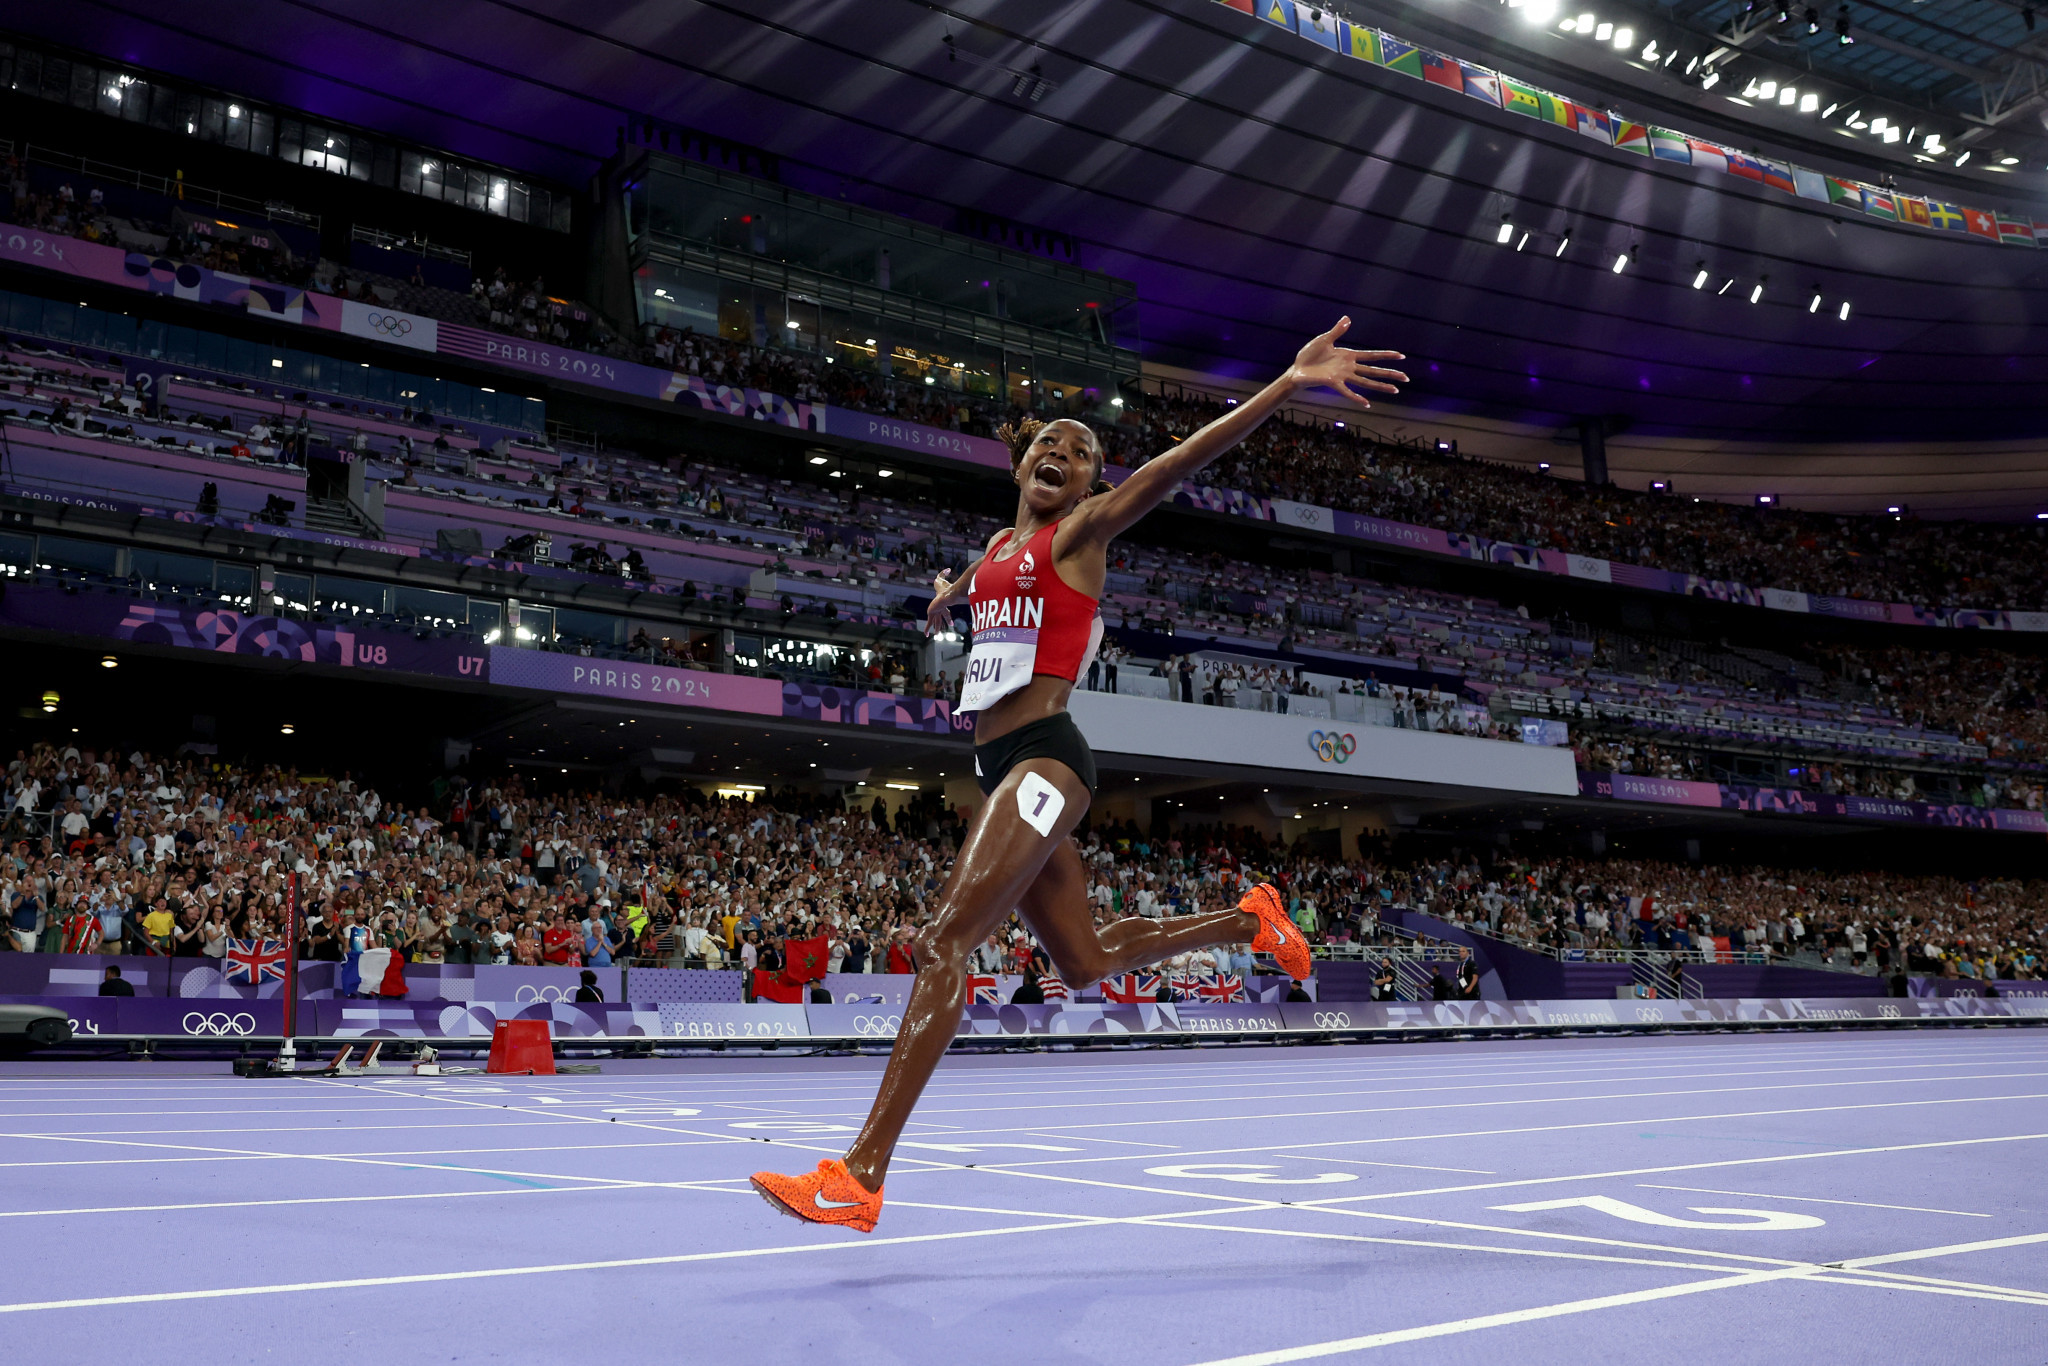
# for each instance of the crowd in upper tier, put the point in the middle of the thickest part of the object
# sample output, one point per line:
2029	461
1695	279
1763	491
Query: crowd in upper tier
178	855
1877	558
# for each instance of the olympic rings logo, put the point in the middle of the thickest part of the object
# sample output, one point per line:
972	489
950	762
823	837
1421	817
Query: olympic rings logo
1332	746
389	324
532	995
1650	1014
219	1026
1332	1019
876	1026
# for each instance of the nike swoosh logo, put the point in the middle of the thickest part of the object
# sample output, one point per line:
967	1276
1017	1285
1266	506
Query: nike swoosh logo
818	1199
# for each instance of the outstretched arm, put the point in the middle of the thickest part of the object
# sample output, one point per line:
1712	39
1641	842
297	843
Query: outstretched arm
1320	364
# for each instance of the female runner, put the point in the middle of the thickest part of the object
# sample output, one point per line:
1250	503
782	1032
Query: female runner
1033	597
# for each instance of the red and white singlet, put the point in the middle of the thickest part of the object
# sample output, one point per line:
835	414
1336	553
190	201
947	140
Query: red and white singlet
1027	621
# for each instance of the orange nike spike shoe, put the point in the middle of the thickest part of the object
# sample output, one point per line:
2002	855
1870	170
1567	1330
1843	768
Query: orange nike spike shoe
828	1195
1278	935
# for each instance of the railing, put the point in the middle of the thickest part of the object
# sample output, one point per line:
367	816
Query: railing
169	187
1876	740
417	245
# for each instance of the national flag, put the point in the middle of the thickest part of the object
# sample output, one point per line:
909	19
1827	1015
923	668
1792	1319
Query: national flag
1396	55
1707	154
1669	146
1438	69
1224	990
1279	12
1746	167
1845	192
1187	988
1878	204
1517	98
1946	217
769	986
983	990
2040	231
806	961
1778	176
1318	26
1559	110
1480	83
1978	223
1631	137
1592	123
1131	988
1810	184
1914	211
1053	988
82	933
1361	42
2017	232
251	962
1642	907
1242	6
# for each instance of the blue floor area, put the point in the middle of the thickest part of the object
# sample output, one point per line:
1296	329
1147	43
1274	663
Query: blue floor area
1819	1198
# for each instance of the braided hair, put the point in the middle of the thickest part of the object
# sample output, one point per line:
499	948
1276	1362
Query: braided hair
1019	435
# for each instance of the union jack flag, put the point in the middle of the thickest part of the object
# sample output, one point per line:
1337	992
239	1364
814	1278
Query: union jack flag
983	990
82	934
1187	988
1224	989
251	961
1053	987
1131	988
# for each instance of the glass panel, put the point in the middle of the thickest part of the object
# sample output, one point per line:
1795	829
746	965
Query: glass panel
263	132
163	107
187	117
17	554
487	619
515	209
164	571
409	172
362	156
428	607
479	190
238	126
236	583
290	594
213	120
85	86
353	597
28	73
136	98
500	190
431	172
385	168
65	553
559	218
57	80
536	625
291	138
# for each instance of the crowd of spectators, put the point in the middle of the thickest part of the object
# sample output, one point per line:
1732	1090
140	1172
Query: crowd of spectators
177	856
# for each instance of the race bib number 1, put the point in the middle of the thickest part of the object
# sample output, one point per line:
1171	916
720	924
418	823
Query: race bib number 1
1039	803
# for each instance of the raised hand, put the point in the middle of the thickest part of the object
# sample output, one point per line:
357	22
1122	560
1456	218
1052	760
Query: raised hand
1324	364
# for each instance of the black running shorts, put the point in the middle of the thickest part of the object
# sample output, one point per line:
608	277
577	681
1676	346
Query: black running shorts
1053	737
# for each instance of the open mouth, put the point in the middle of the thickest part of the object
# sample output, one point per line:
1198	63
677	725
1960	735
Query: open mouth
1050	475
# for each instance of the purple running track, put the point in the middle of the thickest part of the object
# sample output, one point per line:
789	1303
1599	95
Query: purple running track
1820	1197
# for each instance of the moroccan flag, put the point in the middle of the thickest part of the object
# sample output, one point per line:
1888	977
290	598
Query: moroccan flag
1778	177
1318	26
1517	98
1913	211
769	986
1632	137
1396	55
1947	217
1809	184
1845	192
1707	154
1592	123
1747	167
1666	145
1279	12
1438	69
2017	232
1480	83
1878	204
806	962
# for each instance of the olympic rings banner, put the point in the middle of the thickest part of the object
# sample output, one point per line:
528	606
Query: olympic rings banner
377	323
1332	746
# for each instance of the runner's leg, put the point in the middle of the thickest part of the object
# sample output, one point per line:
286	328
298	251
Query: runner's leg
1055	905
1002	855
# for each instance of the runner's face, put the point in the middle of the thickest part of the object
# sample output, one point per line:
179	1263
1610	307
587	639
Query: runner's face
1059	467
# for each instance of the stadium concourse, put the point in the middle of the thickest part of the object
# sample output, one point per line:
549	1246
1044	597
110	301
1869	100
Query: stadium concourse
523	733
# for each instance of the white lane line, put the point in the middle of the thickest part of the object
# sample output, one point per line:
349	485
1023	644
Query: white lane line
1361	1162
1952	1250
556	1268
1814	1200
1364	1341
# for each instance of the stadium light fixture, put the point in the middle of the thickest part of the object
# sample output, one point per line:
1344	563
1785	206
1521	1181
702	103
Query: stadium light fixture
1710	80
1539	11
1813	304
2041	516
1844	313
1600	34
1964	157
1692	65
1784	12
1878	124
1809	103
1767	500
1768	90
2008	161
1812	20
1895	509
287	729
1650	51
1726	285
50	700
1892	134
1507	231
1699	278
1842	34
1562	243
1829	112
1660	486
1586	23
1543	467
1624	38
1788	95
820	459
109	662
1625	260
1523	243
1756	294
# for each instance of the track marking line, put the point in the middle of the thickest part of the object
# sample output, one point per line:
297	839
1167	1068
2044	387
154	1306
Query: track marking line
1813	1200
1408	1166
